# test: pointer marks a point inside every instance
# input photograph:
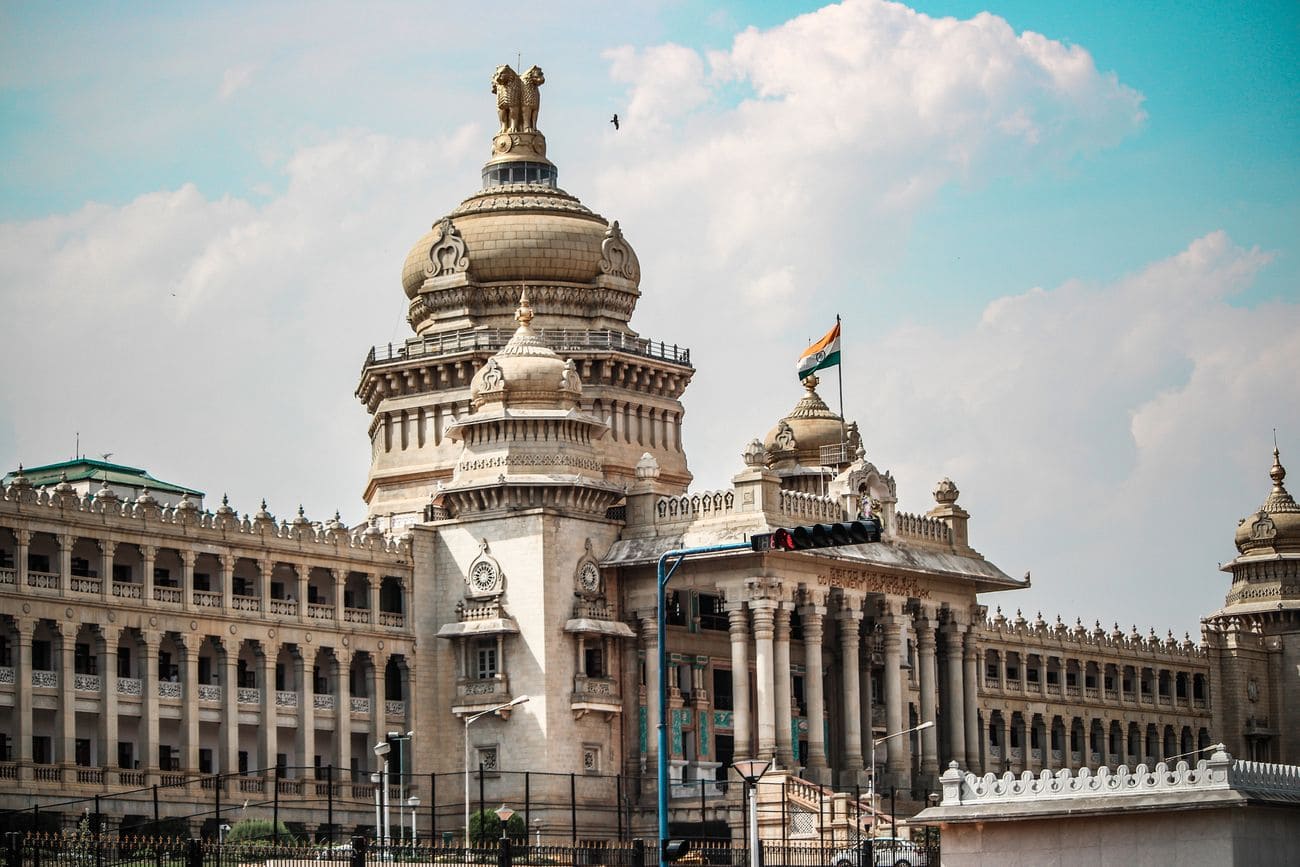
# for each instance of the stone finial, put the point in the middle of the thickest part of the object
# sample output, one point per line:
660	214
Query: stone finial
1277	472
524	314
301	519
945	492
647	468
754	454
105	492
951	781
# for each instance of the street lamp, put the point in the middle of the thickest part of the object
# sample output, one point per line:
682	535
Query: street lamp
871	781
750	770
382	750
414	803
469	720
377	780
401	779
503	815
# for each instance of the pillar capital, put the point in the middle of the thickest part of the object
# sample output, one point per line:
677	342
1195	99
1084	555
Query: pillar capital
149	552
188	556
107	547
22	536
66	540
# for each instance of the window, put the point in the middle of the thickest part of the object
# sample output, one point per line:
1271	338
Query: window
1072	678
83	752
83	661
593	661
42	657
485	659
797	694
995	737
712	615
245	678
991	671
38	562
124	664
1015	737
6	559
202	581
1033	739
675	613
239	586
1054	677
80	567
1056	739
205	669
205	760
121	573
42	750
722	697
279	676
162	576
1109	682
168	758
6	748
1031	674
125	754
6	652
243	763
277	589
1090	681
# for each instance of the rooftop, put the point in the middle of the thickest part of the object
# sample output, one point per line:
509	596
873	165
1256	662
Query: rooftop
82	469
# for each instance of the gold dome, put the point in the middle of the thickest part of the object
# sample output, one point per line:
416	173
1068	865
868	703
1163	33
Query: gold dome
1275	527
808	427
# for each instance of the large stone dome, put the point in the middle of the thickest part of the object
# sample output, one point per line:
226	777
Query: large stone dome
520	228
799	437
1275	527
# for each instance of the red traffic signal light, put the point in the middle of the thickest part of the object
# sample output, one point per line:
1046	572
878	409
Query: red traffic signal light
818	536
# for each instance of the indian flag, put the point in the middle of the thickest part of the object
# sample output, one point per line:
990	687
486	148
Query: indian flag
823	353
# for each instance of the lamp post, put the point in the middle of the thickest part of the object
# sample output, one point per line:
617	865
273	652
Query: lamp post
750	771
503	816
414	803
468	721
665	572
378	781
401	779
871	781
382	750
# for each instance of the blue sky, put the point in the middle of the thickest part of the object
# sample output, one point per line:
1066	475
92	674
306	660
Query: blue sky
1067	263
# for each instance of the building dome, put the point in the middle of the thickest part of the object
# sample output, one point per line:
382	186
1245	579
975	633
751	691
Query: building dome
1275	527
801	435
526	373
520	228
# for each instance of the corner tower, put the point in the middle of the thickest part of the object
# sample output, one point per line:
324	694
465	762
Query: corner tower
463	279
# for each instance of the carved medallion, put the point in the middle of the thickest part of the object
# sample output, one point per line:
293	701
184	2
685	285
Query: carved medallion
448	254
484	576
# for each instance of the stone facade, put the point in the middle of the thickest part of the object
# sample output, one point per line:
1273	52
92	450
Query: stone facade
527	473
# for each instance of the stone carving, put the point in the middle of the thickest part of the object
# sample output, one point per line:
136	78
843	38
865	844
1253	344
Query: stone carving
509	90
784	439
1263	529
493	376
754	454
569	380
531	99
448	254
587	574
647	468
617	258
484	577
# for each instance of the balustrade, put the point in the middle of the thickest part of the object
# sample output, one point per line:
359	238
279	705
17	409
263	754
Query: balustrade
209	692
90	776
360	705
45	679
7	675
286	698
206	599
246	603
356	615
395	708
79	584
9	577
392	618
323	701
284	607
171	595
47	581
87	683
316	611
131	686
127	590
169	689
248	695
47	774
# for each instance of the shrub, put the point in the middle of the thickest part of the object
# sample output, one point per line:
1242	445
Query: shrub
259	831
485	827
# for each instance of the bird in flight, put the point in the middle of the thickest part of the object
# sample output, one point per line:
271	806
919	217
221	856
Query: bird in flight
614	120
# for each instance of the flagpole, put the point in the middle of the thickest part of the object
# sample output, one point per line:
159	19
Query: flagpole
844	434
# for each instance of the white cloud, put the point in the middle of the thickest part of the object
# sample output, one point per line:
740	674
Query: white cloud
235	79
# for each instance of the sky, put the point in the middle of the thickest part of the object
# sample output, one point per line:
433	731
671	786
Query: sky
1063	239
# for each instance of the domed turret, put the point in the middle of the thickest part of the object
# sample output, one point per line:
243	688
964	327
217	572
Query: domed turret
519	228
798	439
1275	527
526	372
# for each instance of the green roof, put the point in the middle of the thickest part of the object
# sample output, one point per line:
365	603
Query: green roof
84	468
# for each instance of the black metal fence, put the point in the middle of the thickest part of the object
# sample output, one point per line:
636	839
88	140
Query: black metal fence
82	850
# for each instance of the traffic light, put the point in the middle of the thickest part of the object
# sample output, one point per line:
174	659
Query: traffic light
818	536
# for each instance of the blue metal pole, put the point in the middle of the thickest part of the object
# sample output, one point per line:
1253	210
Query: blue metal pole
677	555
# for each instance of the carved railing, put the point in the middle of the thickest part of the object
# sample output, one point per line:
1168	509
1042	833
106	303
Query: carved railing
131	778
46	679
392	618
90	776
286	698
690	506
130	686
395	708
356	615
317	611
246	603
248	695
169	689
127	590
206	599
209	692
172	595
87	683
47	774
80	584
8	577
359	705
284	607
323	701
922	529
48	581
559	339
7	675
811	507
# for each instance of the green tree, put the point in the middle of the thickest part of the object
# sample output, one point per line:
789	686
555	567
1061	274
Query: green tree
485	827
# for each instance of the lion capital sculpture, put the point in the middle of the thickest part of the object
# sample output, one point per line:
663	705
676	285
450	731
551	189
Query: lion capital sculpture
509	92
532	99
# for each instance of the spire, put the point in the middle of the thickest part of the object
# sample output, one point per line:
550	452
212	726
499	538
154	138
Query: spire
524	315
1279	499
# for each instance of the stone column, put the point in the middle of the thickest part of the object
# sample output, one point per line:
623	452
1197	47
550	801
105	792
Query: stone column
970	701
148	556
378	719
850	618
343	713
865	648
66	541
303	571
229	727
896	762
270	743
650	645
25	630
107	728
811	616
739	631
106	550
265	569
781	682
22	540
66	714
340	583
763	611
228	584
190	645
374	579
149	703
187	578
306	735
928	676
956	694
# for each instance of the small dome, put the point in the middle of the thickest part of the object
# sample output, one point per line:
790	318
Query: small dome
1276	526
526	372
808	427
